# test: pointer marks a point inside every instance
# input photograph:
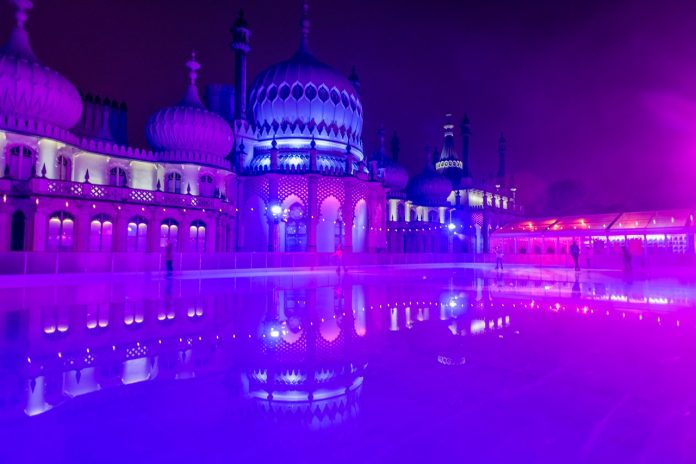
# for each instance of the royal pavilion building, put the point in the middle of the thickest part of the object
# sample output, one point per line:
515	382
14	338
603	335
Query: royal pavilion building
276	166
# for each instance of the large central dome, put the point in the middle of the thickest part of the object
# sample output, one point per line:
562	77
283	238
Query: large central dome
303	97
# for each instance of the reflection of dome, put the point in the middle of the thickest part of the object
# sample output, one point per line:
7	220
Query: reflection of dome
429	188
31	91
302	96
189	126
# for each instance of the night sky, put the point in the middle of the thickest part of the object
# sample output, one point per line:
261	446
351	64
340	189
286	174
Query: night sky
597	98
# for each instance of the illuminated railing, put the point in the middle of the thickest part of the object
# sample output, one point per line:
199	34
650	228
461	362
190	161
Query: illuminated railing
87	191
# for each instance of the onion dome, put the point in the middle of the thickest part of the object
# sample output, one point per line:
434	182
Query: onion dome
303	97
189	126
29	91
429	188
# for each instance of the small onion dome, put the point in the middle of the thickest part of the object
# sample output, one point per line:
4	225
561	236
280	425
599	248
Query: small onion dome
189	126
429	188
28	89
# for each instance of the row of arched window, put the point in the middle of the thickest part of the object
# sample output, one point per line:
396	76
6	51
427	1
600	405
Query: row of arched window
21	163
432	216
61	234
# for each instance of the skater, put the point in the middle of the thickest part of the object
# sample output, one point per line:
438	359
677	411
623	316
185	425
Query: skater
339	259
169	257
575	253
498	258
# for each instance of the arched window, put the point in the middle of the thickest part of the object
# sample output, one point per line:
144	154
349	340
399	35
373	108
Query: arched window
137	234
433	216
63	168
21	161
197	236
117	177
101	232
296	229
207	186
60	232
401	212
173	182
169	231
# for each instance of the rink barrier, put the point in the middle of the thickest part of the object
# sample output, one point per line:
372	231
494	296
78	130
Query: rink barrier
18	263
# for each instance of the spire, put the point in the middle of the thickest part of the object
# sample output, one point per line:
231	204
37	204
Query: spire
380	138
18	44
465	127
448	149
502	147
395	146
304	24
192	98
354	79
241	46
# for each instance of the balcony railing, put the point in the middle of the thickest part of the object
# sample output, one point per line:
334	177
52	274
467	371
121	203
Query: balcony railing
83	190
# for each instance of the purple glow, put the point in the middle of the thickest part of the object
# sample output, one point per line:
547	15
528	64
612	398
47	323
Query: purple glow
325	359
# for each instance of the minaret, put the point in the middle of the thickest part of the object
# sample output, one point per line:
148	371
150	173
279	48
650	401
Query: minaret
354	79
449	163
395	146
381	152
465	128
501	158
240	45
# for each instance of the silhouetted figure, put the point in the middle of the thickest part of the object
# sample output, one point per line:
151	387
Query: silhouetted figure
575	253
627	259
169	257
339	259
498	258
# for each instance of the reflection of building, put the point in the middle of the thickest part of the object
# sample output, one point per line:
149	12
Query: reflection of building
281	167
305	367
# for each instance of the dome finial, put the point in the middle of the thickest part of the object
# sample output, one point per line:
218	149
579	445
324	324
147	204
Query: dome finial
18	44
304	23
22	7
192	98
193	67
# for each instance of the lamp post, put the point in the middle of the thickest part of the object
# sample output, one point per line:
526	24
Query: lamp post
275	216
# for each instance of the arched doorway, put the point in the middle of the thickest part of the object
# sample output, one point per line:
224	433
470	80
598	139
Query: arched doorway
255	225
330	226
296	229
19	225
359	226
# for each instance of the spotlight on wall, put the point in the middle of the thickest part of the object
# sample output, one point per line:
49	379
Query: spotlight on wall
451	226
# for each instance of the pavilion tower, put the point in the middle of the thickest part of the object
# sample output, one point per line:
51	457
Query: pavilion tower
240	44
502	147
465	128
449	164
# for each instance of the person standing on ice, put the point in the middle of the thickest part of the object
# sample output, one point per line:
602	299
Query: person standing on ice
498	258
575	253
169	257
339	259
